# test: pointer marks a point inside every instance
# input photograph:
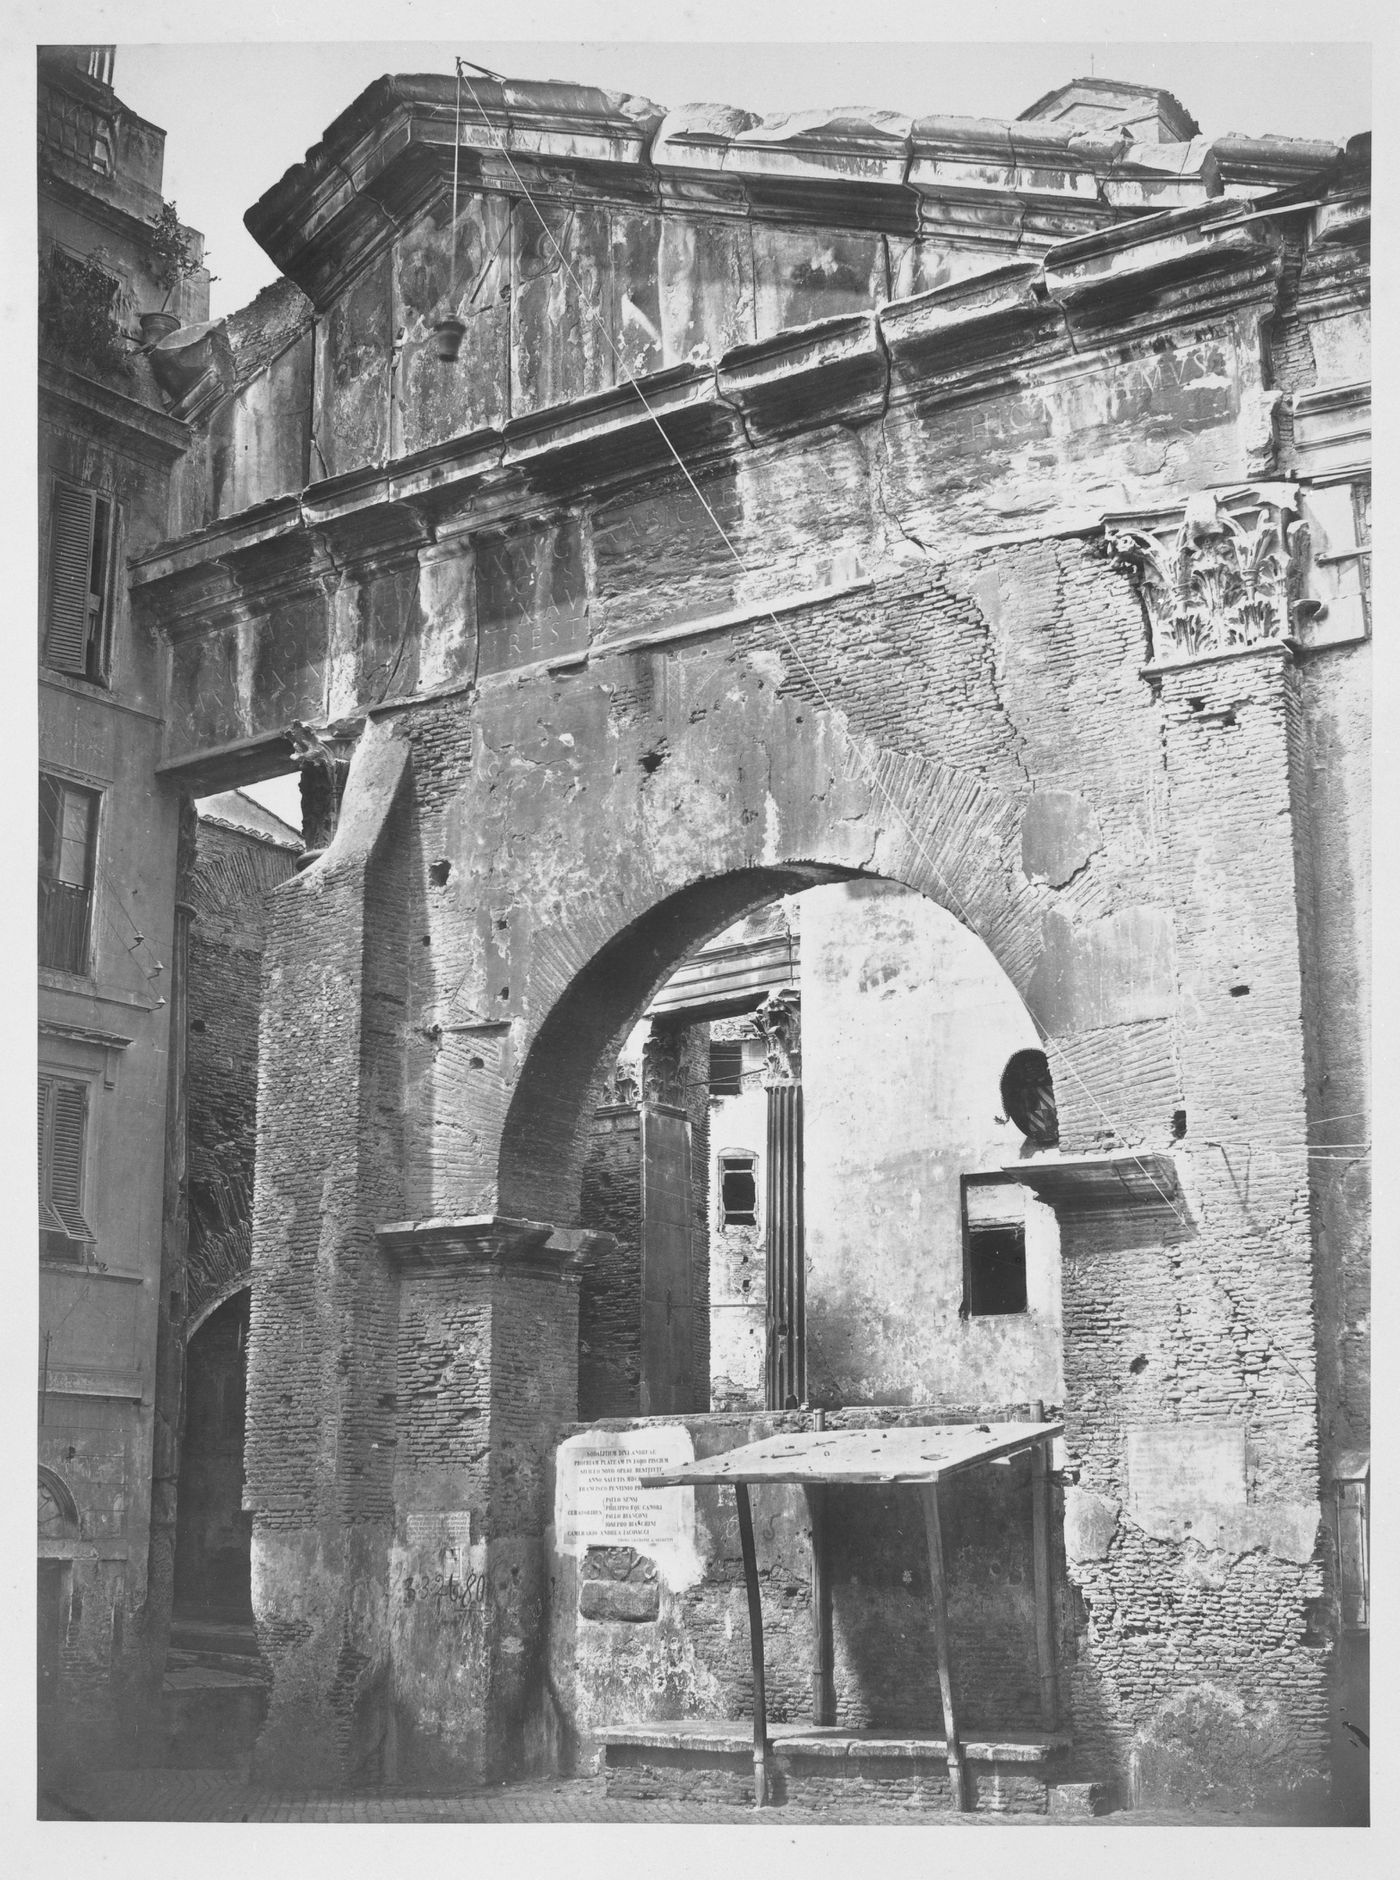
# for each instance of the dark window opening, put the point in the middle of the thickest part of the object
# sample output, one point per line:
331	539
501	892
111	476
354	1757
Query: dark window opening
67	857
726	1067
78	629
738	1178
1028	1097
62	1117
54	1580
994	1247
996	1270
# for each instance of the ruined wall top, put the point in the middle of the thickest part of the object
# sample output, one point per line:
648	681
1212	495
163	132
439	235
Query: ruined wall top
1093	153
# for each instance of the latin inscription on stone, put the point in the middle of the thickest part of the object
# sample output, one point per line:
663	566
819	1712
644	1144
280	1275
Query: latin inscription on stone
445	1527
598	1500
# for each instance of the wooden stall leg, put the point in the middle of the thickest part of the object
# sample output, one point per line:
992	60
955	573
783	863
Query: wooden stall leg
1044	1592
760	1703
823	1685
957	1775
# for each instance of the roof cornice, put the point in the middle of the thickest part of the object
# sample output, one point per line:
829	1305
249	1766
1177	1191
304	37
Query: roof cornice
1015	187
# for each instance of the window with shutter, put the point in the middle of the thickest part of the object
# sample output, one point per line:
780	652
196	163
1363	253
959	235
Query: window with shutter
63	1116
67	858
994	1246
738	1189
77	636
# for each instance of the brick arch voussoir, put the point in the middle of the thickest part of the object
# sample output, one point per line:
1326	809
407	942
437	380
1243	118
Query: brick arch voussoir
943	832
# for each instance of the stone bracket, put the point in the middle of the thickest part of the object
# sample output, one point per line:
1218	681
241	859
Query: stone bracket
1142	1180
488	1239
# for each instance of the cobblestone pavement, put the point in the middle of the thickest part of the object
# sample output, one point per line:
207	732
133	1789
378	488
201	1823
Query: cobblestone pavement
222	1795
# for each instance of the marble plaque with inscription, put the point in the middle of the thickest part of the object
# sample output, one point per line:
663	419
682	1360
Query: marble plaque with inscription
597	1500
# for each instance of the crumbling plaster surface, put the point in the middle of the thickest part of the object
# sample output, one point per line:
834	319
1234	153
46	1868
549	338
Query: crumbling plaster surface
907	1024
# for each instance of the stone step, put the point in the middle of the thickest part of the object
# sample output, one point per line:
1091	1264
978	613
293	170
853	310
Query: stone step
1007	1771
239	1663
236	1637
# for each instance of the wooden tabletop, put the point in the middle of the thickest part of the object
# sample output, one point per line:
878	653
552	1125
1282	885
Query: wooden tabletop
926	1454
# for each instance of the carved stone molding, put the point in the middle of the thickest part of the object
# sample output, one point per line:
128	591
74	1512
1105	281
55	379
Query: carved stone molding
778	1021
1226	574
663	1073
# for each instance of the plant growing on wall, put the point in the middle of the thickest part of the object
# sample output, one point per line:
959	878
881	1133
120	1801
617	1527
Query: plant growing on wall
169	250
79	313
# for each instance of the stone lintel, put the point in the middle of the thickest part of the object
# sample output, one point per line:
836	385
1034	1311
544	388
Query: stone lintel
488	1240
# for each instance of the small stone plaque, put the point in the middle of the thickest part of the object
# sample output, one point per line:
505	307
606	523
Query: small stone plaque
439	1527
1186	1465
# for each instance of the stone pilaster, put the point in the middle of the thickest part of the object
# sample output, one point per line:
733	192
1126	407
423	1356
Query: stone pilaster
487	1375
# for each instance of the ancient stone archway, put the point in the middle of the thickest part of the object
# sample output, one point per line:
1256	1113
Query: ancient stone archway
511	875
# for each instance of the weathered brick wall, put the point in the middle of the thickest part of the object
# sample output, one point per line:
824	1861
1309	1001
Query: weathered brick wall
321	1347
610	1324
1200	1669
234	875
486	1374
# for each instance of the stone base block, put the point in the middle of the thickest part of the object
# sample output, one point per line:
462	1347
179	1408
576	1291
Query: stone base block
702	1760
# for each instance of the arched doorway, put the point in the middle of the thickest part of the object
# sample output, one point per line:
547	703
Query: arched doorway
849	1228
213	1534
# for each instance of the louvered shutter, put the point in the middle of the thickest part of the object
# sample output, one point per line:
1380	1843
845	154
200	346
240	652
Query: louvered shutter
66	1157
71	599
45	1087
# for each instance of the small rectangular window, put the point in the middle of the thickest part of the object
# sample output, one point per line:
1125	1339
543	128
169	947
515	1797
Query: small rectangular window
63	1121
67	863
77	637
994	1246
726	1067
738	1184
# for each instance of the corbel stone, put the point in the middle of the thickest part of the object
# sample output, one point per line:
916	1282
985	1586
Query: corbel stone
474	1240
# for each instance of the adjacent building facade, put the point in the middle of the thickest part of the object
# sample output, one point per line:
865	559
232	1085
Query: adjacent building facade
109	950
958	532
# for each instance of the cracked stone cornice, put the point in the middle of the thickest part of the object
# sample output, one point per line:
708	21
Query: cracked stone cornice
971	336
1015	186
